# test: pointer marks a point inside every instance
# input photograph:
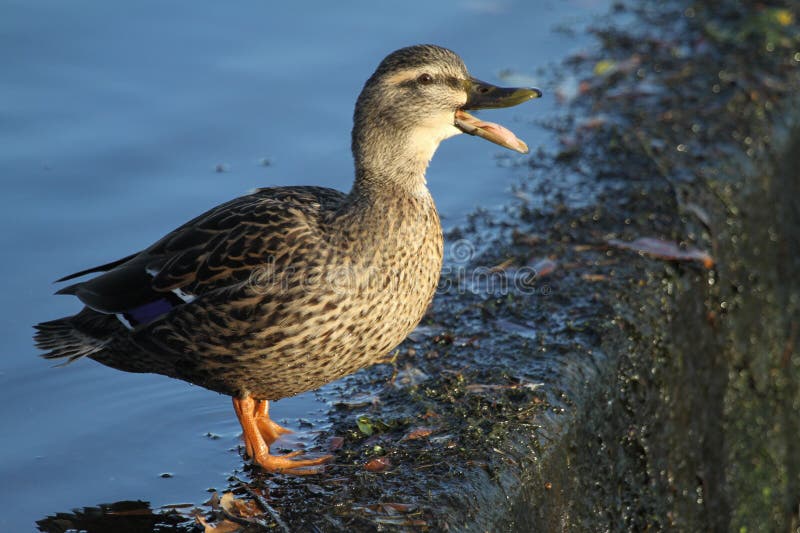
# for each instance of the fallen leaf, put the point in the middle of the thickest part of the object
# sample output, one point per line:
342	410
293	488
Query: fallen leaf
379	464
543	267
503	265
364	425
358	401
335	443
238	508
373	426
603	66
418	433
392	514
662	249
594	277
584	247
224	526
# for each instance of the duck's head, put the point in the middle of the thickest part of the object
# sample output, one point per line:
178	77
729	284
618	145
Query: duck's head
417	97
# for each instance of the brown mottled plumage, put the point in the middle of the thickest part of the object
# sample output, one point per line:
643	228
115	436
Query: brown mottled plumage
288	288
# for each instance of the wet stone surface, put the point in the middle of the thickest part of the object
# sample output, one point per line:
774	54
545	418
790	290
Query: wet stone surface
618	388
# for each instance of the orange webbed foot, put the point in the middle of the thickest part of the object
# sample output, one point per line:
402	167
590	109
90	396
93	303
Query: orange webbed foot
285	464
260	432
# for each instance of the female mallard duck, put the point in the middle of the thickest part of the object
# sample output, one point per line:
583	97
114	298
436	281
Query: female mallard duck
288	288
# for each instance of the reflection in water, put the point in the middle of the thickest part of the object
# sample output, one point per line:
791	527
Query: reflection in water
119	517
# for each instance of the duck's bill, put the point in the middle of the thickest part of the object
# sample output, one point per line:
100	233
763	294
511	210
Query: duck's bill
482	95
489	131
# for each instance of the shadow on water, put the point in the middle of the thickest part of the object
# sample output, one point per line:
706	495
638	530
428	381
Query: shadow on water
120	123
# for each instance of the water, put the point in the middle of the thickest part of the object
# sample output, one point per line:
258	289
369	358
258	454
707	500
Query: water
113	121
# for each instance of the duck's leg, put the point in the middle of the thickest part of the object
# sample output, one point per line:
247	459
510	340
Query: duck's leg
258	449
237	406
270	429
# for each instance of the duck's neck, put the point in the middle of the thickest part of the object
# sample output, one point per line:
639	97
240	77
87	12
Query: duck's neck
391	164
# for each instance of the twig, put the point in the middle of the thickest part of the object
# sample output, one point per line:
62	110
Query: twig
262	501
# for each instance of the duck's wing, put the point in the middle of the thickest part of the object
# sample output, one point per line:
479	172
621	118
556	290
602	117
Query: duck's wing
101	268
221	247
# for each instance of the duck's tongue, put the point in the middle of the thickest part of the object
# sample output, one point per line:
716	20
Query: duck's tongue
489	131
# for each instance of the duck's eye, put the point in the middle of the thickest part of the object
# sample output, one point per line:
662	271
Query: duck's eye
425	79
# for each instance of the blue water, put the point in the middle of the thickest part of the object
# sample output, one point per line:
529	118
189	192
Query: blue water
114	121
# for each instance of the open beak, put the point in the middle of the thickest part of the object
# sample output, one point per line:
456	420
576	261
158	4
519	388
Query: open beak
482	95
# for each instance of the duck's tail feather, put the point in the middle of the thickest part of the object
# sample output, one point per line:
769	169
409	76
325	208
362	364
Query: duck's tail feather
73	337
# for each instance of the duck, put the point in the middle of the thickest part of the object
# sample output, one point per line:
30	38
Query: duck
288	288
